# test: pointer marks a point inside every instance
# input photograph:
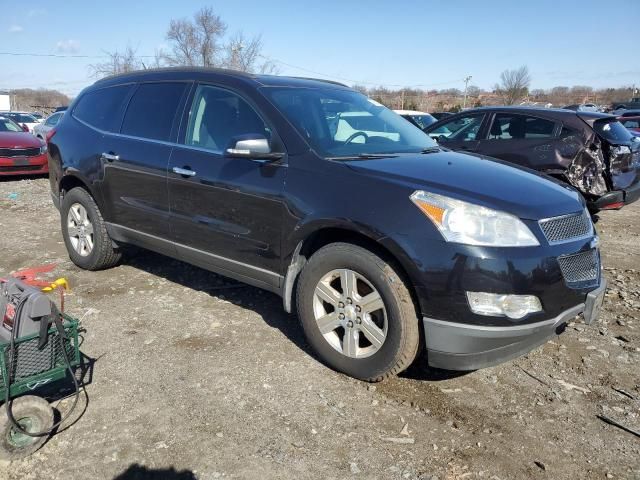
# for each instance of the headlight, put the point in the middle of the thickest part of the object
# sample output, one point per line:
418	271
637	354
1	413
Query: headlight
463	222
43	149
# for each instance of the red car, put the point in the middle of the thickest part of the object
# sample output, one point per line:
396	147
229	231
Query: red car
631	123
20	152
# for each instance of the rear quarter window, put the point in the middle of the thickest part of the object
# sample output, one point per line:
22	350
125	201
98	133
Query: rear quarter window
102	108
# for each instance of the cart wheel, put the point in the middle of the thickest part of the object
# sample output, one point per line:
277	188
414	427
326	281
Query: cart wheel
33	414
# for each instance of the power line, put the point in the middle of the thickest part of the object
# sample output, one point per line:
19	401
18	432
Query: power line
61	55
359	82
272	59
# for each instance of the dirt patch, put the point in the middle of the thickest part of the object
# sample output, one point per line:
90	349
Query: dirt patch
193	373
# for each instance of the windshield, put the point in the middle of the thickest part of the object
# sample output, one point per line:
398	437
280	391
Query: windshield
339	122
23	118
7	125
613	132
423	121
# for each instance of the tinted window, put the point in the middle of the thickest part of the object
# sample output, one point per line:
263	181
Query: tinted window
101	108
509	126
462	128
631	123
613	132
339	122
22	118
217	115
152	109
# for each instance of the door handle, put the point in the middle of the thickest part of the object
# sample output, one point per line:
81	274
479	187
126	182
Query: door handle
110	157
185	172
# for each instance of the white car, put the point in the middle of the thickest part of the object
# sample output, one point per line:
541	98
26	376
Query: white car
23	119
49	124
420	119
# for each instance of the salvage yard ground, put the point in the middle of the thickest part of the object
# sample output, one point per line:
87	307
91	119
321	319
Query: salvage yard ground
197	373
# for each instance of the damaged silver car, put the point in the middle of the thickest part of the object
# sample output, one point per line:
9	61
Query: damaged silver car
591	151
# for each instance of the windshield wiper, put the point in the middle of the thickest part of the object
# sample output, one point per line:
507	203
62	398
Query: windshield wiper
430	150
363	156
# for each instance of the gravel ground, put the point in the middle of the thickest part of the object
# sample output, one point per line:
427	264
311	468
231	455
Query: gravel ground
196	376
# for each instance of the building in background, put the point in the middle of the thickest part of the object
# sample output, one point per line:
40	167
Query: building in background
5	101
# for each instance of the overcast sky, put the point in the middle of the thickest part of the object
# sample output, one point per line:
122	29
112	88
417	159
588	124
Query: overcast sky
399	43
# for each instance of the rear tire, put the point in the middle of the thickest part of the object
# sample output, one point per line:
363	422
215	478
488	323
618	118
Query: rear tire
33	414
85	233
370	333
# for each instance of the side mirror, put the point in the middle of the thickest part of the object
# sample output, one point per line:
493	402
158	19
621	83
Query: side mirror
24	128
252	146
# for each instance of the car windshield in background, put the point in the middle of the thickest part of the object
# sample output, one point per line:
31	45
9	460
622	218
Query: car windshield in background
423	121
24	118
613	132
344	123
7	125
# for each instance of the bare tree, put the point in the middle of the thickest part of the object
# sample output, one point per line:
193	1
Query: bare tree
196	42
117	62
244	54
514	85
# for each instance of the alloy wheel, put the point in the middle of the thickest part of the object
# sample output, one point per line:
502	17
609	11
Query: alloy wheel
350	313
80	230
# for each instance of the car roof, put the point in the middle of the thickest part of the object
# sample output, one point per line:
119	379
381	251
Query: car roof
410	112
555	112
201	72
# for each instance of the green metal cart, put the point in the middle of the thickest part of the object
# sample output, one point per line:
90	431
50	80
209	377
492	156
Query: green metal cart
31	369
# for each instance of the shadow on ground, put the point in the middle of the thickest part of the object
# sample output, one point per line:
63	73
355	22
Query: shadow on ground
139	472
267	305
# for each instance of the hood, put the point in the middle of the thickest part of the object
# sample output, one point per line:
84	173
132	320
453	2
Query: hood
480	180
19	140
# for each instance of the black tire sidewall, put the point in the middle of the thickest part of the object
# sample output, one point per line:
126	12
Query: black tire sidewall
81	196
369	266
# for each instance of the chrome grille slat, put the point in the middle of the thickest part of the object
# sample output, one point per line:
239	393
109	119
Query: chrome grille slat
580	269
567	227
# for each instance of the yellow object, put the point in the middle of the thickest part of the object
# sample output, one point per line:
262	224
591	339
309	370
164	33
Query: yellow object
61	282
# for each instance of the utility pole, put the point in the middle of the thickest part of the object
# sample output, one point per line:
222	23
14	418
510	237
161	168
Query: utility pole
466	85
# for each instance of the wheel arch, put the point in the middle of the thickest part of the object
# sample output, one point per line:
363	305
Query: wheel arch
314	240
71	180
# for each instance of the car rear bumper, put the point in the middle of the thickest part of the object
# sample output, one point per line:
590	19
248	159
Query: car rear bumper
456	346
37	165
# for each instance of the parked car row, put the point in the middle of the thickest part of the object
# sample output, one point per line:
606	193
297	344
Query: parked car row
377	236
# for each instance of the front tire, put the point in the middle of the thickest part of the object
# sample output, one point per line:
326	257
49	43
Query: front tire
357	312
85	233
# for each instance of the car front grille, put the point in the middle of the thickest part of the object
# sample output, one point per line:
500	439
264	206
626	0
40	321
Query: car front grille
567	227
19	152
581	270
16	168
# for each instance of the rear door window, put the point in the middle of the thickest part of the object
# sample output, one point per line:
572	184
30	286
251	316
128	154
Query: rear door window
102	108
507	126
152	110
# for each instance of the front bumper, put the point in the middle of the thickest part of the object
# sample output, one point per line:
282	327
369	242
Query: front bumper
616	197
456	346
37	165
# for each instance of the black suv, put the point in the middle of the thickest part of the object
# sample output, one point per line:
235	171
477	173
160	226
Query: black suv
591	151
360	221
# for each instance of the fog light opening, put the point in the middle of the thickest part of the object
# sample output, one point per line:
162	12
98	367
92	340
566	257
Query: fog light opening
498	305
